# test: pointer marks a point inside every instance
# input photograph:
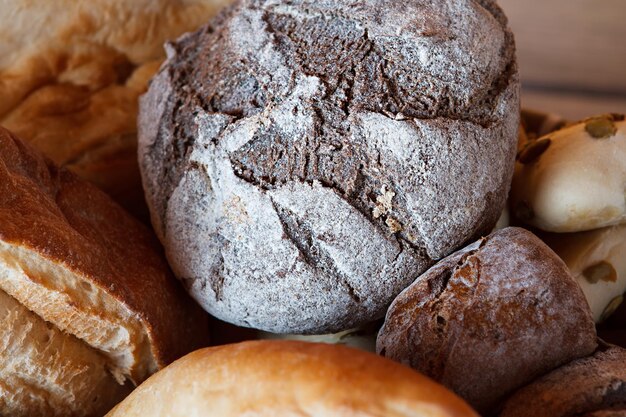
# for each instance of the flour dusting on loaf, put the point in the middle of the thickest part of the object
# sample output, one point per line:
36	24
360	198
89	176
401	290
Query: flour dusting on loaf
268	136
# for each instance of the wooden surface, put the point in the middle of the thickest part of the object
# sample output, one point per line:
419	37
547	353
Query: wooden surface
572	54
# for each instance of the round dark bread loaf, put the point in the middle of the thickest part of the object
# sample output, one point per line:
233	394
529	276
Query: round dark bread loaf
304	161
490	318
589	387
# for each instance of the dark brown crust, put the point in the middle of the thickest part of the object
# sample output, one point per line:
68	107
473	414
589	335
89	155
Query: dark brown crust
589	387
490	318
72	223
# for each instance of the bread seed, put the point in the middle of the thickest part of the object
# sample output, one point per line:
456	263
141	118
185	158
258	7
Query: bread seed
601	127
533	151
601	271
611	307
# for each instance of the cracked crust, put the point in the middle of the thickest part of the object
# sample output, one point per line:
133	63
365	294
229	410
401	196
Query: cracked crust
490	318
591	387
343	104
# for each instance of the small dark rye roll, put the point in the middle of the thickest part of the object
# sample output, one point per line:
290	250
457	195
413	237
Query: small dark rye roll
490	318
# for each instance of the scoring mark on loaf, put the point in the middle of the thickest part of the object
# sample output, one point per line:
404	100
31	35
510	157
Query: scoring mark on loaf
311	252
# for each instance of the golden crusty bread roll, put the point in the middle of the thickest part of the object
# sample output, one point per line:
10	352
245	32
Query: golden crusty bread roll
44	371
77	260
288	378
71	72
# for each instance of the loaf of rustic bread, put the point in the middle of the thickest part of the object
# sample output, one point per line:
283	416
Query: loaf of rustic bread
304	161
490	318
94	274
594	386
572	179
286	378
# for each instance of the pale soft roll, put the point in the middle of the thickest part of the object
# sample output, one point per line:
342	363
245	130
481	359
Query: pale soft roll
286	378
597	259
577	183
363	338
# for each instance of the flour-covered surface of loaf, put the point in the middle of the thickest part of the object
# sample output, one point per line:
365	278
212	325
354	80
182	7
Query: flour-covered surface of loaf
305	161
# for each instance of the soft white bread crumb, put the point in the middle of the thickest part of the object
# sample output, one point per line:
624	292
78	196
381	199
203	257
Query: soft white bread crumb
44	371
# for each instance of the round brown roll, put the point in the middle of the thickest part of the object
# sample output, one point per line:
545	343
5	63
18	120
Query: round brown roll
490	318
287	378
589	387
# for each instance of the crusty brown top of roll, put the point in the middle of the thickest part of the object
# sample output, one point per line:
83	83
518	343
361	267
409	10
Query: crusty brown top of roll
490	318
288	378
79	261
594	386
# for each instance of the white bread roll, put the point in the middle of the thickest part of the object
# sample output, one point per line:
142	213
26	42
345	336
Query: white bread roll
573	179
363	338
287	378
78	261
596	259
